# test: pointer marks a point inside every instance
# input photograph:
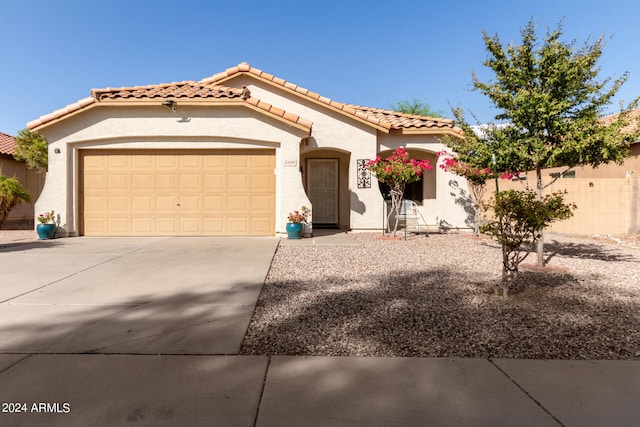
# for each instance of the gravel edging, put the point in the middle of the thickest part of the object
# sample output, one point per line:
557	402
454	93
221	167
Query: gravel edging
434	297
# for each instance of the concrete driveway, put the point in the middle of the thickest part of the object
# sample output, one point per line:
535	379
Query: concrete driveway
130	295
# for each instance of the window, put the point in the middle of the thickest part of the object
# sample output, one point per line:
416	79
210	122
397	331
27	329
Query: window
413	191
569	174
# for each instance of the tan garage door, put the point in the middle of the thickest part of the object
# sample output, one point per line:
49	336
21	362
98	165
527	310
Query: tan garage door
177	193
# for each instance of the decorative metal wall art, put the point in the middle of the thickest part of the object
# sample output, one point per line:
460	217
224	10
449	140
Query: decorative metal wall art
364	174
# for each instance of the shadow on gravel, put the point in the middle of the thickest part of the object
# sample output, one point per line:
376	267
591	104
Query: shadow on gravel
585	251
431	313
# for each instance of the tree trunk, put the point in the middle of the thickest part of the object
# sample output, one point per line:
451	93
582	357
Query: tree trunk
396	202
540	238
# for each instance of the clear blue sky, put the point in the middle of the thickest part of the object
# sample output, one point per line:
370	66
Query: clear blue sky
371	52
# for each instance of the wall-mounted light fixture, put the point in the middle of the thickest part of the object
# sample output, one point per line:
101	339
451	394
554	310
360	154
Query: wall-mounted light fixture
170	104
56	150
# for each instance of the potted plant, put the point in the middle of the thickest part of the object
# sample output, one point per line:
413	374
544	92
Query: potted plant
295	221
47	227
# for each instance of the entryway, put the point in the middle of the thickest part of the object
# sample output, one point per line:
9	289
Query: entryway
322	189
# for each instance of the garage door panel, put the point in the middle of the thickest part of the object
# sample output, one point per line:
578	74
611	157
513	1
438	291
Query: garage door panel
190	183
190	204
166	204
165	162
238	162
122	161
190	225
95	204
119	204
167	183
214	204
262	204
239	182
214	182
238	204
262	162
142	183
140	204
119	225
262	225
237	226
143	162
213	162
262	182
97	182
157	192
166	226
142	226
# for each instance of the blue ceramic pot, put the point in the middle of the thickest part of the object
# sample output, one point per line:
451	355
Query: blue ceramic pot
294	230
46	231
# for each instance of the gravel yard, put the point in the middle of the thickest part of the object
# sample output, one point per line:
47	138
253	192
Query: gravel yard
434	297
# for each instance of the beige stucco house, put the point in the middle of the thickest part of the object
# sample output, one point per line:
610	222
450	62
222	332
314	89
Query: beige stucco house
22	216
232	154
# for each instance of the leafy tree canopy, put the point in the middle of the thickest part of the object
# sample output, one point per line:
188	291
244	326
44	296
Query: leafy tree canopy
33	149
549	99
416	107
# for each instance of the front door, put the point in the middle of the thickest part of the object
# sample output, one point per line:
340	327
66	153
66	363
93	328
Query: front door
322	188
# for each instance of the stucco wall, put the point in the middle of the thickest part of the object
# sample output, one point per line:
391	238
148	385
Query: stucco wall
190	127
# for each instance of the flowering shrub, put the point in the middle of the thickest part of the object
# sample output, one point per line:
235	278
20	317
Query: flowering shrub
300	216
47	217
397	171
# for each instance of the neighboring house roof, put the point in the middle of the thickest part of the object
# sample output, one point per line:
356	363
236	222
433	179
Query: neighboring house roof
385	120
7	144
634	120
211	89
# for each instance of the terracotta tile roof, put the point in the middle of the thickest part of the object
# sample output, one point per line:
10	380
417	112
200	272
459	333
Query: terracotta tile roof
212	88
399	120
187	89
634	120
176	90
7	144
384	119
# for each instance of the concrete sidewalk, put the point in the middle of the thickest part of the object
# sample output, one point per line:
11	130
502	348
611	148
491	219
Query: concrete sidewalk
147	331
188	390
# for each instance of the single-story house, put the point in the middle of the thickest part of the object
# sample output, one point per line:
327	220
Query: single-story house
22	216
232	154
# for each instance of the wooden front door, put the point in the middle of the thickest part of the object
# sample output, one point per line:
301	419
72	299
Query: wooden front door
322	188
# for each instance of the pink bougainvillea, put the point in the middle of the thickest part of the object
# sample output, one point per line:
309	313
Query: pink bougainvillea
397	171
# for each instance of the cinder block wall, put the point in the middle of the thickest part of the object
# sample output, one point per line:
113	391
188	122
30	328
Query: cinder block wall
605	205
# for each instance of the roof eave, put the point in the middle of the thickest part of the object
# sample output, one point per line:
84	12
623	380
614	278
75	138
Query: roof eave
67	112
432	131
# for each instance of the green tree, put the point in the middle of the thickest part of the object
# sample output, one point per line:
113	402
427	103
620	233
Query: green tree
11	194
33	149
416	107
549	99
